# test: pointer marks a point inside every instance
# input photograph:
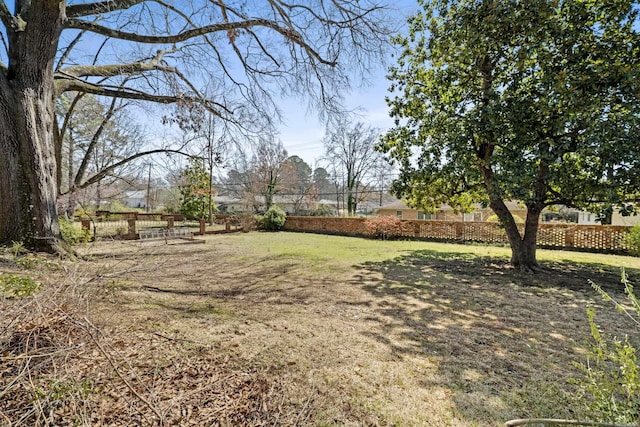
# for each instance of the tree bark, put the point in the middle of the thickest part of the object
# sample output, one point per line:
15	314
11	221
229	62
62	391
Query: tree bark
523	246
28	177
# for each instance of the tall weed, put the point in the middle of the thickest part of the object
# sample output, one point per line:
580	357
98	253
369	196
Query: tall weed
610	385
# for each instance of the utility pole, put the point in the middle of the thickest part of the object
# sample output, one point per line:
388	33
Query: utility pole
148	189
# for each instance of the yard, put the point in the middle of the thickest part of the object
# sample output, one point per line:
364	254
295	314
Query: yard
298	329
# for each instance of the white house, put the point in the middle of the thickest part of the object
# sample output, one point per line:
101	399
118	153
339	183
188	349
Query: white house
135	199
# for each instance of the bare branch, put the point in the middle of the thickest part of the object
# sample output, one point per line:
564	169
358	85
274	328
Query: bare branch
106	171
94	141
128	93
68	49
228	27
79	10
6	17
116	69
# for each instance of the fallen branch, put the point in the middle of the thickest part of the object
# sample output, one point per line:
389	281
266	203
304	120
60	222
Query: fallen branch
119	374
522	422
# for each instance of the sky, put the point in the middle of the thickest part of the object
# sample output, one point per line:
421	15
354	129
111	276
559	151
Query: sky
301	132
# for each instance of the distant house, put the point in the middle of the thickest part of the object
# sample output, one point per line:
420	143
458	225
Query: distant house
290	204
135	199
616	219
228	204
400	210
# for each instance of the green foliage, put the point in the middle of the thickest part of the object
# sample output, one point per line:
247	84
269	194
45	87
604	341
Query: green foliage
73	234
194	191
494	218
13	286
383	227
610	386
273	219
534	101
18	248
118	206
632	241
322	210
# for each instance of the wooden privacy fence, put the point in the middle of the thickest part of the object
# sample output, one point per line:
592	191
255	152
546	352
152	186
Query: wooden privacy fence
562	236
131	227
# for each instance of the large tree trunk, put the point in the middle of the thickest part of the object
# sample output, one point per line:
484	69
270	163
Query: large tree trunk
28	189
523	246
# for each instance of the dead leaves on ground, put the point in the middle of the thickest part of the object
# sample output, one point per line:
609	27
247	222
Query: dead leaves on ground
56	368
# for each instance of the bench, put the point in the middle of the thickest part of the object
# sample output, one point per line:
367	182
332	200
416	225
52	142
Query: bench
165	233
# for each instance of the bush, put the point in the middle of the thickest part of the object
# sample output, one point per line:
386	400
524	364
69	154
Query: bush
72	234
322	210
610	387
632	240
12	286
383	227
273	219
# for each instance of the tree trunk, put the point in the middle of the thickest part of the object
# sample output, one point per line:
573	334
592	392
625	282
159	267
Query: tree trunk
523	246
351	206
28	180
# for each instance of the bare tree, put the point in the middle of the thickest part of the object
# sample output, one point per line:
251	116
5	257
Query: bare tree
298	182
351	150
268	165
158	51
98	145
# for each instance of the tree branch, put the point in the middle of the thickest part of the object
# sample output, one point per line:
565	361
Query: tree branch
68	50
116	69
82	86
6	17
228	27
94	141
103	173
79	10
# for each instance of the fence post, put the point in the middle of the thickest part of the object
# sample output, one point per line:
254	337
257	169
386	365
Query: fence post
227	224
416	230
569	237
131	229
459	226
169	222
85	224
203	226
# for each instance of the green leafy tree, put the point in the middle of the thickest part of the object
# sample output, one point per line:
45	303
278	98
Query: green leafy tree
195	191
534	100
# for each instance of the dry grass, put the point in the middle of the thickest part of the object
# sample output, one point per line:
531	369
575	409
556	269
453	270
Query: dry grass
293	329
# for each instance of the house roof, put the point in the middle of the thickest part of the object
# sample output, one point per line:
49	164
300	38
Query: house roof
277	199
397	205
135	194
512	205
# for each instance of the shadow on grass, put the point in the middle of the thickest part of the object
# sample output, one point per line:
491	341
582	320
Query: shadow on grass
266	280
504	342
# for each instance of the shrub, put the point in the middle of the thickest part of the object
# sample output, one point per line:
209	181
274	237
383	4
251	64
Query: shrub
273	219
383	227
322	210
632	240
72	234
13	286
610	387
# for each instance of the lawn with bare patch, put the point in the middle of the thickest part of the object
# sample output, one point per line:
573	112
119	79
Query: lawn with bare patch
299	329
